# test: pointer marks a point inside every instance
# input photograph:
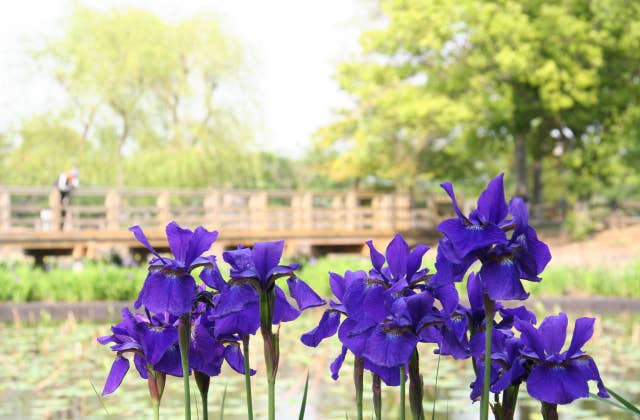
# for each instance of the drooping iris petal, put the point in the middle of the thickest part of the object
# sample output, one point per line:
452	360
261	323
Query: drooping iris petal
212	277
447	295
337	364
327	327
337	283
303	294
501	280
510	314
282	309
553	332
169	292
170	363
205	352
237	311
389	375
467	238
235	358
556	384
589	370
354	334
156	340
119	369
388	346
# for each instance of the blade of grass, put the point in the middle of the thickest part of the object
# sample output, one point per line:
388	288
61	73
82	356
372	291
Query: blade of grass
613	404
435	390
100	398
303	405
224	398
623	401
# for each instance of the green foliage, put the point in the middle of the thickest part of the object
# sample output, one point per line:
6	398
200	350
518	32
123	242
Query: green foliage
94	282
102	282
142	107
454	88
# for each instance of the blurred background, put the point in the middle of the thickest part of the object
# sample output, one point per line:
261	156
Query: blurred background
324	123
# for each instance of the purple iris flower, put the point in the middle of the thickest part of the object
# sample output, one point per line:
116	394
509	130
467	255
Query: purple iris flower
403	264
253	273
483	226
559	377
481	236
260	266
169	285
507	364
150	339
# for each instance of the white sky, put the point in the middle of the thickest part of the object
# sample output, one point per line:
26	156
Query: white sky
295	46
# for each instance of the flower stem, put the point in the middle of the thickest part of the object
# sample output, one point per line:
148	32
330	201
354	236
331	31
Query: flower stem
509	400
156	410
203	380
489	313
416	389
184	331
402	393
376	390
271	348
247	376
549	411
358	374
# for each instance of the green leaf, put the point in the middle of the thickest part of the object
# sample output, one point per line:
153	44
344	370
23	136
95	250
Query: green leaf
224	397
624	402
303	405
435	390
614	404
99	398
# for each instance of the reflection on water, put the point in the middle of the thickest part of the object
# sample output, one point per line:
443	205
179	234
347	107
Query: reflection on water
49	372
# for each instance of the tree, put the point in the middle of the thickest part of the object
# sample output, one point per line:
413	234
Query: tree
143	99
457	88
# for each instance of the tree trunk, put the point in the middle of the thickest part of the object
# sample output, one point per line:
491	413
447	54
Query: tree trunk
536	194
520	160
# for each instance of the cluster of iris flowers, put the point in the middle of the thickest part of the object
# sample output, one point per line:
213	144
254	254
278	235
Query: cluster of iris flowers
188	327
380	316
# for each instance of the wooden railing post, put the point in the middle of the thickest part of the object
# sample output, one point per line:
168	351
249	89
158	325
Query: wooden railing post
164	211
112	203
402	211
5	210
211	203
352	216
258	207
302	207
56	209
383	216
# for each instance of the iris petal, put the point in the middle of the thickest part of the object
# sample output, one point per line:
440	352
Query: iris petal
303	294
327	327
119	369
556	384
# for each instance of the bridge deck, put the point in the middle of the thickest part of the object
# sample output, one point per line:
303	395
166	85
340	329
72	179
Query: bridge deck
34	220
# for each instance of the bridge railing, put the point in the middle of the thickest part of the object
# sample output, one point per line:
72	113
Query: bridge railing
96	208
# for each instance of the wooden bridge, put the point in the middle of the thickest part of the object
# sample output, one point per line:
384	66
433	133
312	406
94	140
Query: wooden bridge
94	225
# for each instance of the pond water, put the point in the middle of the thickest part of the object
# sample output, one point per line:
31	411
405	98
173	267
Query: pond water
57	370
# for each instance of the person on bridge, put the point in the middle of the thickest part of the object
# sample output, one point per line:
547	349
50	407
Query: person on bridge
67	181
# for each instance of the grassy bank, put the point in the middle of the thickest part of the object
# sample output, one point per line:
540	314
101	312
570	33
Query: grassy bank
95	282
